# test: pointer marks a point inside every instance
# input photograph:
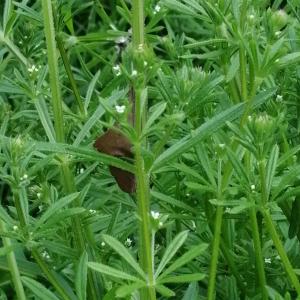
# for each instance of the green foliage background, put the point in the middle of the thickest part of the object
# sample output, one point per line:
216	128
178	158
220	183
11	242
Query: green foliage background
219	83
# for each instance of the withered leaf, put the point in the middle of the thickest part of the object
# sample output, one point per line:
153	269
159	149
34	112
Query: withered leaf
114	143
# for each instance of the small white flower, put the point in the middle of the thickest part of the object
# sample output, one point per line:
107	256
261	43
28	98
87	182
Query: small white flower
227	210
92	211
24	177
103	244
251	17
155	214
279	98
15	227
120	109
249	118
277	33
81	170
277	60
25	37
188	194
128	242
222	146
267	260
160	224
156	8
117	70
20	42
121	40
32	69
252	187
145	64
45	254
134	73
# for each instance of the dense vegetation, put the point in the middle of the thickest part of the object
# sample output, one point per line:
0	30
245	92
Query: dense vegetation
193	193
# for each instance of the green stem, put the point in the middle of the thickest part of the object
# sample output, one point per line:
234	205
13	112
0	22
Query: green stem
78	232
137	23
233	268
285	260
258	254
67	65
53	70
142	177
216	240
145	252
24	222
68	178
49	274
215	254
13	267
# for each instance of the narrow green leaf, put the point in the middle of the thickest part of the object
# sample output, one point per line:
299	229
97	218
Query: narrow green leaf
81	277
45	119
6	217
192	292
199	187
207	129
126	290
240	208
172	201
124	253
158	110
85	152
287	179
237	165
271	167
90	90
182	278
98	113
171	250
56	207
289	59
38	289
104	269
163	290
184	259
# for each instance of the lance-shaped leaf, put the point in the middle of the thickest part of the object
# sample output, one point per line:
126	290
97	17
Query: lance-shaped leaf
207	129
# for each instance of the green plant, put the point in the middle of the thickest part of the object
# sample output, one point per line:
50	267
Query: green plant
206	92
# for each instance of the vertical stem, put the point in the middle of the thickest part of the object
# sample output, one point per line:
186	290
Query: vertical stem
216	240
143	195
258	253
69	72
285	260
215	254
53	70
13	267
137	23
68	178
145	252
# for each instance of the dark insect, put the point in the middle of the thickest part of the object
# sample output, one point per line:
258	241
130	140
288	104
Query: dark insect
115	144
